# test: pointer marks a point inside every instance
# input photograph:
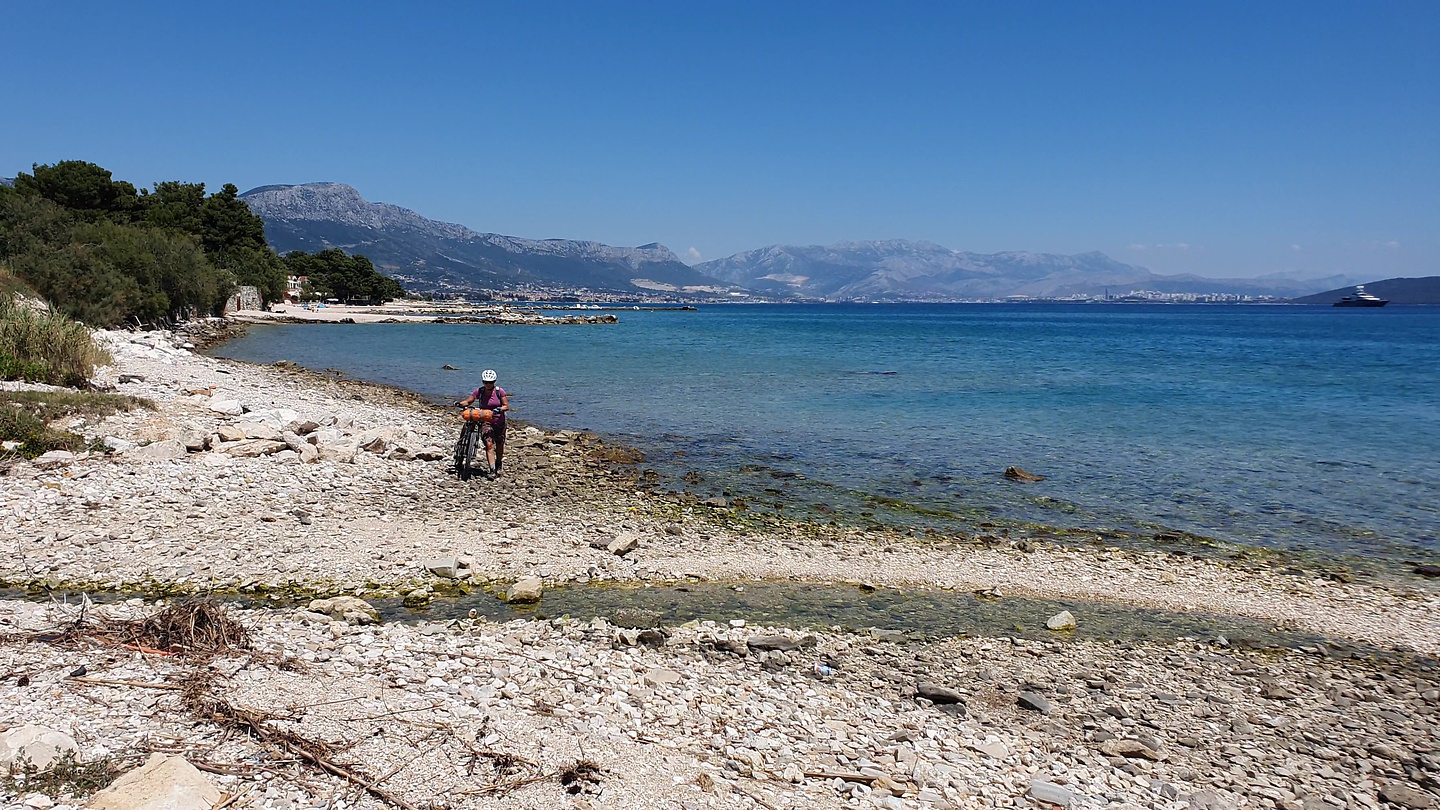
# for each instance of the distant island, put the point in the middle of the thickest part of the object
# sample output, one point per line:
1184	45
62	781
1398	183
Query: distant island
1395	290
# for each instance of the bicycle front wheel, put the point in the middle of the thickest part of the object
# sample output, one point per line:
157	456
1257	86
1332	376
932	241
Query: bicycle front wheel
464	452
472	443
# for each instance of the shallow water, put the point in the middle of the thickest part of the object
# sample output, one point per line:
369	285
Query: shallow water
917	615
1302	428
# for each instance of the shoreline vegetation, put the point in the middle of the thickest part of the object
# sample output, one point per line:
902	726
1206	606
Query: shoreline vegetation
327	497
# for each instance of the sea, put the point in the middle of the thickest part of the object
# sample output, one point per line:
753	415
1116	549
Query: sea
1313	430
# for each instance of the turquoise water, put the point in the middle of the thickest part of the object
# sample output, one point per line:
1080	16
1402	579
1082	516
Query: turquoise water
1293	427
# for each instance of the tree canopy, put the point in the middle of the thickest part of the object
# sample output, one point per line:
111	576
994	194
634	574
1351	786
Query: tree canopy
334	274
105	253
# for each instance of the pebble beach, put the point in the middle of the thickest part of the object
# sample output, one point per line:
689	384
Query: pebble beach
274	483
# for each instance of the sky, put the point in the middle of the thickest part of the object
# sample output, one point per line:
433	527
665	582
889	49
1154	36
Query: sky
1226	139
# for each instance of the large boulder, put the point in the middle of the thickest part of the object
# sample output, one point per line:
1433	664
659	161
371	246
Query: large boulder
39	745
528	589
1064	620
230	433
259	430
192	437
162	783
165	449
340	451
624	544
229	407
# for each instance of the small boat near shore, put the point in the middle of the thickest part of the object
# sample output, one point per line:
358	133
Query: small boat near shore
1360	298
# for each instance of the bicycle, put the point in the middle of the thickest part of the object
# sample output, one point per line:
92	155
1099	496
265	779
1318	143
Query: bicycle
469	442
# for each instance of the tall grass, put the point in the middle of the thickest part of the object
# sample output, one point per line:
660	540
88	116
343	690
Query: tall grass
41	345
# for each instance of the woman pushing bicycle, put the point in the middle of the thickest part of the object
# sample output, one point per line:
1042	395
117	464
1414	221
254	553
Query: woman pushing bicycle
491	398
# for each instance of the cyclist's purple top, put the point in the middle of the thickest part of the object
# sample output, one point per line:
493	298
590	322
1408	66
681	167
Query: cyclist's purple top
492	403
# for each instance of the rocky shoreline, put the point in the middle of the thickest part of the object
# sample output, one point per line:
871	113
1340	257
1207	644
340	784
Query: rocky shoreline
276	480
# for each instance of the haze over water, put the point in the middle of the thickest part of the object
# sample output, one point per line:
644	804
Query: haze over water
1293	427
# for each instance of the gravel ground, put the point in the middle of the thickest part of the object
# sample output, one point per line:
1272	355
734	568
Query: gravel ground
710	718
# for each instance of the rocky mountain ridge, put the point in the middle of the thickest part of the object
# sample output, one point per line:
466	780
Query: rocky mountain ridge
429	255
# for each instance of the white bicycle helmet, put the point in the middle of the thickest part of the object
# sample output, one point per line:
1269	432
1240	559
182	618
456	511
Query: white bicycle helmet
488	375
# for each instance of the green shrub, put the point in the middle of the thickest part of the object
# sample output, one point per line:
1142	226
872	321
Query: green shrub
45	346
33	435
25	418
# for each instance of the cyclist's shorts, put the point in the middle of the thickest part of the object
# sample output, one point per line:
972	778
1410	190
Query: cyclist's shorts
495	431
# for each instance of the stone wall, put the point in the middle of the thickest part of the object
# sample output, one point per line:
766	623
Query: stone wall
244	298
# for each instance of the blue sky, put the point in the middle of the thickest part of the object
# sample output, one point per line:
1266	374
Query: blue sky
1225	139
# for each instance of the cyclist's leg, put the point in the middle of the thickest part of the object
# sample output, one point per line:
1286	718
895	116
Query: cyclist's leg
498	436
488	434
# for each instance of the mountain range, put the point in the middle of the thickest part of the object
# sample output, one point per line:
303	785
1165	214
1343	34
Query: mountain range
432	256
900	270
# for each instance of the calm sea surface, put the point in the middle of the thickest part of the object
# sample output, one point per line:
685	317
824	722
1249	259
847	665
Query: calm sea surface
1295	427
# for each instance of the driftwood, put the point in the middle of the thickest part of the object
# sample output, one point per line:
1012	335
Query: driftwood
200	631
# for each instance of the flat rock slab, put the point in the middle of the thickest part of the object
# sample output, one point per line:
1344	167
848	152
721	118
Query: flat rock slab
1034	702
624	544
1406	796
767	643
1050	793
938	694
162	783
1130	748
